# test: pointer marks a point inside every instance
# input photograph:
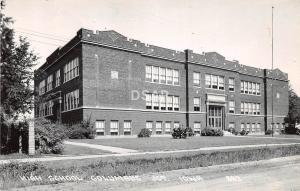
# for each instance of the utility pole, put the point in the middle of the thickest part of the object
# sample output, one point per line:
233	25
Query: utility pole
272	77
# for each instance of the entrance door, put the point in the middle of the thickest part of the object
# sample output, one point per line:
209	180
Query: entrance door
215	119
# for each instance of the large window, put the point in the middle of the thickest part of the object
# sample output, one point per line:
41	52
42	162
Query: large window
100	127
197	127
149	125
170	103
197	103
148	73
71	70
57	78
158	127
176	77
49	82
71	100
250	108
162	75
42	87
155	73
250	88
215	82
127	127
231	84
46	108
231	107
162	102
168	127
148	101
155	101
114	128
176	103
169	76
196	79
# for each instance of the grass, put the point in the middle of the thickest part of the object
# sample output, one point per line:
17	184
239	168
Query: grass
137	165
68	150
168	143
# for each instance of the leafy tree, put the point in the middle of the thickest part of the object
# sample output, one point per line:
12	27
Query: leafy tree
17	61
294	102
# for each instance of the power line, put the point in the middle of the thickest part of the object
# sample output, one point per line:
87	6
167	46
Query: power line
51	38
33	31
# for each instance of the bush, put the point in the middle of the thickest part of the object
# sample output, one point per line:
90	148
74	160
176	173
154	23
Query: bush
144	133
49	136
208	131
233	131
179	133
190	132
244	132
83	130
269	132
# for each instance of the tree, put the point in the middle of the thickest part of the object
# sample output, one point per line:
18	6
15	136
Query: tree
294	113
16	65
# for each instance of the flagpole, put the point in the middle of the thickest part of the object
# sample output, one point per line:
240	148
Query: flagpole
272	72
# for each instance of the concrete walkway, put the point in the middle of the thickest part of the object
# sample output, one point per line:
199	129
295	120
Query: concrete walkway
102	147
140	153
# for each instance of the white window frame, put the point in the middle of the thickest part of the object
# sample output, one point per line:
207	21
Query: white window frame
100	127
148	73
169	75
168	127
231	86
162	75
149	125
158	127
197	79
176	103
155	74
114	127
197	127
231	106
127	129
197	104
49	82
176	78
57	78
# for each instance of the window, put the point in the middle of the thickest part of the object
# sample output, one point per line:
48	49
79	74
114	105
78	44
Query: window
250	108
167	127
176	103
242	126
155	101
248	127
57	78
148	101
148	73
155	74
258	128
221	82
100	127
114	75
207	81
258	109
49	82
246	108
231	84
149	125
246	87
158	127
253	88
71	100
176	77
114	128
231	107
162	102
214	82
254	108
242	87
170	103
162	75
231	125
127	127
49	108
249	88
257	89
197	127
71	70
196	78
42	109
253	129
176	124
242	108
196	104
42	87
169	76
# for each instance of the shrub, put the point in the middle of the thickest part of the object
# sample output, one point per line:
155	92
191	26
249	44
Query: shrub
144	133
49	136
208	131
233	131
179	133
83	130
269	132
190	132
244	132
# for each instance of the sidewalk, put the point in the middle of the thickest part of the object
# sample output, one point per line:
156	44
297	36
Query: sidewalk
139	153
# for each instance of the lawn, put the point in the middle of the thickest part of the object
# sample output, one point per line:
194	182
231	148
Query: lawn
168	143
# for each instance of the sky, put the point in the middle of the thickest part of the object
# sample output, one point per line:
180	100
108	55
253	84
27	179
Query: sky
237	29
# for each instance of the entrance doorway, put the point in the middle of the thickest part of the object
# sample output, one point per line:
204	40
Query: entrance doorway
215	117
